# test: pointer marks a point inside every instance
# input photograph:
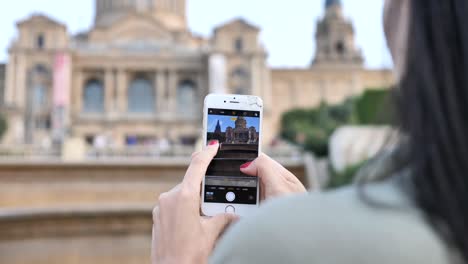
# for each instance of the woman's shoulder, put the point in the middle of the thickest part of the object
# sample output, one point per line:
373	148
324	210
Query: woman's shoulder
334	227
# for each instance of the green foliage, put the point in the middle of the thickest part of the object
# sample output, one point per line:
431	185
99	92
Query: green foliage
312	128
374	108
339	179
3	126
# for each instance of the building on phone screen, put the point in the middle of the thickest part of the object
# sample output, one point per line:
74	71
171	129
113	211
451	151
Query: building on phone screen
139	75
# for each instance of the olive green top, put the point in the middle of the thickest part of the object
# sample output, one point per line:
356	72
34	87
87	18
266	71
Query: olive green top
338	227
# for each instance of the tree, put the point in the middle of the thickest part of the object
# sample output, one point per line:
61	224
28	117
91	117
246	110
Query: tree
312	128
3	126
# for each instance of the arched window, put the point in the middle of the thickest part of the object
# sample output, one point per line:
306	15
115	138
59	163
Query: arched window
186	97
141	98
38	94
39	99
41	69
93	97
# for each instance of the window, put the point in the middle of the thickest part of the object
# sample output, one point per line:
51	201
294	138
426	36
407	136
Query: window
340	48
39	97
141	97
240	73
38	89
239	45
40	41
186	98
93	97
41	69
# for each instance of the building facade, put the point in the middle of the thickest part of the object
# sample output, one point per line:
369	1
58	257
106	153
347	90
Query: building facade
140	74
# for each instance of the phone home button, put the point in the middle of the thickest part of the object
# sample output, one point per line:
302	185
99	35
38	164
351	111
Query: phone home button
230	196
230	209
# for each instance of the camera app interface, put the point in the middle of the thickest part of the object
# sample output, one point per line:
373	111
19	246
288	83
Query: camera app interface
238	134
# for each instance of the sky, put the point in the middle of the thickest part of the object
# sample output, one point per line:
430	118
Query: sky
288	27
226	121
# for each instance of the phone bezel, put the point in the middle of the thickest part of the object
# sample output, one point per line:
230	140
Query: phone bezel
234	102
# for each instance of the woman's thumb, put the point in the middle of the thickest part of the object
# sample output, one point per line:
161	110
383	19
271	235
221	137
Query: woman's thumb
249	168
261	167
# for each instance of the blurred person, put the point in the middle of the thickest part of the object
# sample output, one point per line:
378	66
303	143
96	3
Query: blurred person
415	209
100	142
164	145
46	143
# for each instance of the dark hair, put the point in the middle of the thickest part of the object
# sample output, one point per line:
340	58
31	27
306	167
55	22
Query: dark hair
433	105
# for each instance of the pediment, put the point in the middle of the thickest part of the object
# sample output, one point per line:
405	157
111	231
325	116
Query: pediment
133	28
238	24
38	20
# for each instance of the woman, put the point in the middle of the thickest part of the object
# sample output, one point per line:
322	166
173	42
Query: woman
417	212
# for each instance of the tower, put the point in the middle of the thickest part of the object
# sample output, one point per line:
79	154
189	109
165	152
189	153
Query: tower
245	65
171	13
335	39
218	128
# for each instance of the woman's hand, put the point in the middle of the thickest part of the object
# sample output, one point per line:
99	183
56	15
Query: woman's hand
275	180
180	234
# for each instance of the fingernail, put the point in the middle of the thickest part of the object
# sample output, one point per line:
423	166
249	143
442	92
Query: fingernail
246	165
213	142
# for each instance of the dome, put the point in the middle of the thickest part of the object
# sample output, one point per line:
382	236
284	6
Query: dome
109	11
329	3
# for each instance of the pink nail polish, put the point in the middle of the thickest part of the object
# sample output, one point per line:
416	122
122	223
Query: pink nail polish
213	142
246	165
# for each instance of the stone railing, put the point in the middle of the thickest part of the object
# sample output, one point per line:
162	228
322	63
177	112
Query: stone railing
31	152
28	152
44	184
139	152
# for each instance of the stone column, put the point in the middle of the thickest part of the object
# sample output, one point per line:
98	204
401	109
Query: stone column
122	83
109	91
267	90
172	92
19	90
160	84
255	77
77	92
200	87
10	81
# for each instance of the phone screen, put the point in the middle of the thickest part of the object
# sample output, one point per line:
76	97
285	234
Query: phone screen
238	133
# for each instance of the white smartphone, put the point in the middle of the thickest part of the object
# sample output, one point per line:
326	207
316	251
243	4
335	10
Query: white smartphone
236	122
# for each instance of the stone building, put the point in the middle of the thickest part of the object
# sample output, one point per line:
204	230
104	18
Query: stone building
140	73
241	134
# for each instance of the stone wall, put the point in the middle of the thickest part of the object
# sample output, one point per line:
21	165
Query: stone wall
118	235
86	213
